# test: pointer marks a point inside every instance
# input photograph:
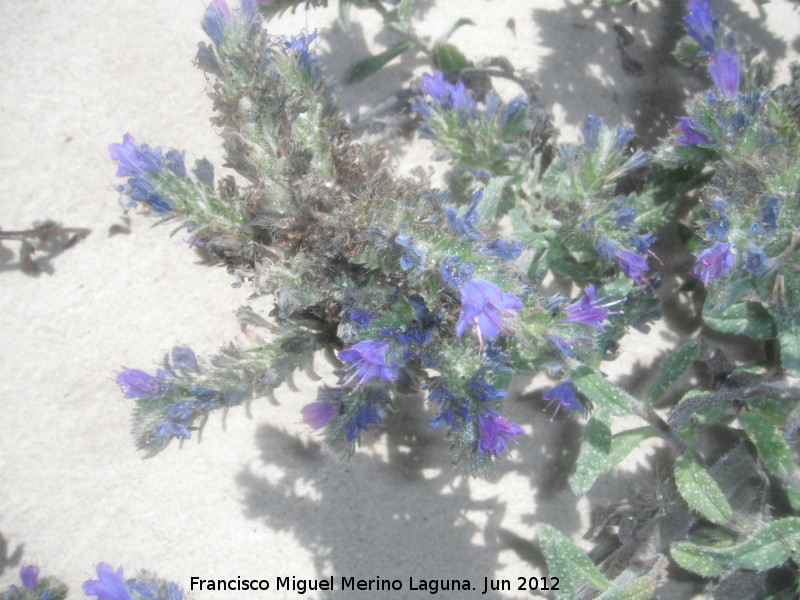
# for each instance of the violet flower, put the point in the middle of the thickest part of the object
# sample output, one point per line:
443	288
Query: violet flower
483	305
691	136
701	25
369	361
217	16
29	574
109	585
447	95
713	262
496	432
318	414
724	69
633	264
134	159
587	310
138	384
564	394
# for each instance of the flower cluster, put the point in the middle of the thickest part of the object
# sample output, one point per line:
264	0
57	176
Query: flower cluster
112	585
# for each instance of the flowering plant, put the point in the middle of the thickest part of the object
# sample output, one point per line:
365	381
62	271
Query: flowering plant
413	291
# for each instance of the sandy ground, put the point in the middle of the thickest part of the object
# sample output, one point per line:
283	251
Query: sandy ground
259	498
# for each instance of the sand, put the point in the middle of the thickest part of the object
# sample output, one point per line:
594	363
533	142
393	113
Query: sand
258	497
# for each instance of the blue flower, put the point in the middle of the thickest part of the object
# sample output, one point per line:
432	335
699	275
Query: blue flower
518	105
109	585
565	395
701	24
178	416
771	213
134	159
139	189
502	248
562	344
495	432
483	391
624	136
691	136
306	58
713	262
642	243
362	318
367	415
591	130
587	310
174	162
465	224
370	360
625	216
138	384
606	248
452	409
755	260
724	69
419	331
633	264
447	95
454	272
483	305
319	414
215	19
29	575
413	256
183	357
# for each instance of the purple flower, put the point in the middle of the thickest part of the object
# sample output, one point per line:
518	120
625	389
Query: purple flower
690	135
217	16
447	95
362	318
369	361
591	130
483	305
502	248
606	248
465	224
134	159
138	384
183	357
496	432
139	189
454	272
642	243
300	45
701	24
318	414
178	416
713	262
518	105
724	68
633	264
562	344
770	213
625	216
413	256
565	395
109	585
755	260
588	311
29	574
624	136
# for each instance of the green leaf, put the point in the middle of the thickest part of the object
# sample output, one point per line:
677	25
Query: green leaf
595	448
768	547
771	446
601	452
789	336
700	491
344	14
448	58
568	562
673	368
364	68
487	207
606	395
641	588
746	318
455	27
404	11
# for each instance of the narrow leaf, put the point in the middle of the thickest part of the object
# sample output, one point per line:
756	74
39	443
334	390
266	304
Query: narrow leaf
746	318
364	68
677	363
641	588
789	336
771	446
604	394
487	207
700	491
568	562
404	11
455	27
768	547
595	448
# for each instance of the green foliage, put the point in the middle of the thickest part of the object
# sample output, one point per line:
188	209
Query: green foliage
700	491
569	563
677	363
